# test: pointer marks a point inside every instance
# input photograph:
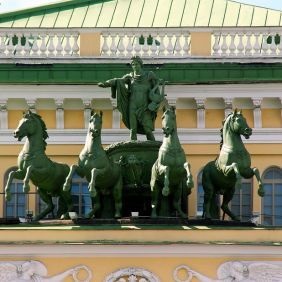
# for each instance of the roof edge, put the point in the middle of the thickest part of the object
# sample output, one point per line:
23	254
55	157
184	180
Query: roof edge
53	5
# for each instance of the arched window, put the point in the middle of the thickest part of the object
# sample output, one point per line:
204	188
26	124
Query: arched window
18	205
241	203
80	196
200	195
272	200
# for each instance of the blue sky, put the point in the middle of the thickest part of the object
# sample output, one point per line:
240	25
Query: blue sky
10	5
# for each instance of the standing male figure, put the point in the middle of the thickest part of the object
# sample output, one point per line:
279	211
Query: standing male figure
138	99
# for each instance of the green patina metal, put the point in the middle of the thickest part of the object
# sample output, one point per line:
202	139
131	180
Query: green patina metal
171	178
35	166
186	73
224	174
142	13
96	166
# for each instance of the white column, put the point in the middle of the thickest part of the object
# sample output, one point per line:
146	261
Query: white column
87	111
281	107
200	112
31	104
257	112
3	114
59	113
116	115
228	106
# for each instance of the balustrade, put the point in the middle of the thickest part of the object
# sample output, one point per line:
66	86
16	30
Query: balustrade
250	42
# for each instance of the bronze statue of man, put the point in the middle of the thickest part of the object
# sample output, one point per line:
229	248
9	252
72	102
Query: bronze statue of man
138	99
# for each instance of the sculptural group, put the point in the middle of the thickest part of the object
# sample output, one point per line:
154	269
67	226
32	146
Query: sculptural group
157	174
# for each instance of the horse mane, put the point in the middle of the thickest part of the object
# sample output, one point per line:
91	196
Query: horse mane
42	124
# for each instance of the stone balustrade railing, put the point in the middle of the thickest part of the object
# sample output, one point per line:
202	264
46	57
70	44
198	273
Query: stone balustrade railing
238	42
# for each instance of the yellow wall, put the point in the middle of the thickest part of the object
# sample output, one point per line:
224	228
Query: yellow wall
186	118
271	118
14	116
214	118
73	119
49	117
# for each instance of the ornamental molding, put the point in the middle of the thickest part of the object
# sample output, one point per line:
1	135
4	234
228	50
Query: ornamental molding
31	270
92	92
246	271
132	274
109	136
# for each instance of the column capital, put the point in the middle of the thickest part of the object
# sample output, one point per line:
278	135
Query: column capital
59	103
31	103
87	103
3	104
257	102
200	101
172	101
228	103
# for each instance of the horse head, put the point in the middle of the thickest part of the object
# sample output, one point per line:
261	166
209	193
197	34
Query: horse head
168	121
95	123
29	125
237	123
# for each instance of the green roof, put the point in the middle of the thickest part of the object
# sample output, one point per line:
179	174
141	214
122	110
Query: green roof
142	13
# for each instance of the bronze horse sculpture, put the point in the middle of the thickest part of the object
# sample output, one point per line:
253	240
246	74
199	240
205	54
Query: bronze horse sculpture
103	175
34	165
224	174
171	171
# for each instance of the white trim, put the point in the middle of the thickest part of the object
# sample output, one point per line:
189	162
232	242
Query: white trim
186	136
174	250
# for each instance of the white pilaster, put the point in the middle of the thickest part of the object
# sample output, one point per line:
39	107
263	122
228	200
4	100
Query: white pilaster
257	112
116	115
228	106
200	112
31	104
87	111
59	113
3	114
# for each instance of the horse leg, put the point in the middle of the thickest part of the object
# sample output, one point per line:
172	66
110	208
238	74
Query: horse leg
46	199
117	193
67	184
92	183
176	201
65	205
154	192
26	186
165	190
227	197
257	175
96	205
190	182
234	167
17	174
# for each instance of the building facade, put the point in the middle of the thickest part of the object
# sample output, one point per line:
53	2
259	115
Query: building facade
215	56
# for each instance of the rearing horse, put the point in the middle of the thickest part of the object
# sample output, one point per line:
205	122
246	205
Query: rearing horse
171	167
225	173
103	175
34	165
